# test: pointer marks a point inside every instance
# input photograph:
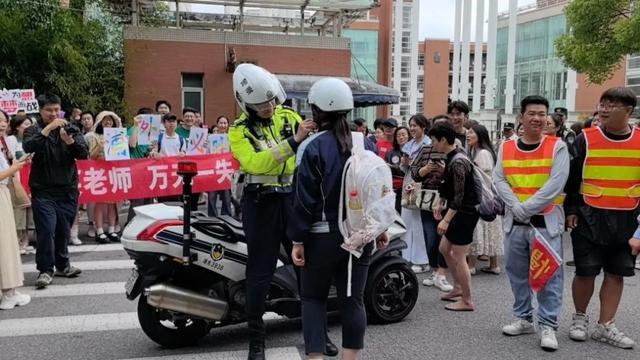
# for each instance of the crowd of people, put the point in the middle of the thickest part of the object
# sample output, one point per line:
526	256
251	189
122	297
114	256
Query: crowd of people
552	179
48	217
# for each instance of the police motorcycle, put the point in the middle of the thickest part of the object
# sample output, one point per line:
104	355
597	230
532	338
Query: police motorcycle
190	273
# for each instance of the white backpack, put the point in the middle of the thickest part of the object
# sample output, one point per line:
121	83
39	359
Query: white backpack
367	197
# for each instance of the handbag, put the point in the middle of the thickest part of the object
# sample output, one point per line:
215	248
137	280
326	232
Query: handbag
429	199
19	197
411	195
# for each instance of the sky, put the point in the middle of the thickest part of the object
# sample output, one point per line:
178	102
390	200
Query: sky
437	17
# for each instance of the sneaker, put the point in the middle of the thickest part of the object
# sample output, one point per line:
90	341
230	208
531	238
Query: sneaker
548	339
43	280
75	241
419	269
17	299
519	327
609	334
69	272
442	283
430	280
578	329
91	232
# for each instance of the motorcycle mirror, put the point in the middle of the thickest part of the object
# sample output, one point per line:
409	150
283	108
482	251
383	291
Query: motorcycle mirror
187	168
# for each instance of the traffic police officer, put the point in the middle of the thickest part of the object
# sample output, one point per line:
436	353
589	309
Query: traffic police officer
264	140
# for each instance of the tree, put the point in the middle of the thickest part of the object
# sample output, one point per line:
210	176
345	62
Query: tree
601	33
63	51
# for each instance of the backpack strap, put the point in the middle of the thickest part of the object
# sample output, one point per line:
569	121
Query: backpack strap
357	140
181	144
160	136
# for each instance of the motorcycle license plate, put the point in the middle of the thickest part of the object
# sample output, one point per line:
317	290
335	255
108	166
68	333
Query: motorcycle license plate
131	282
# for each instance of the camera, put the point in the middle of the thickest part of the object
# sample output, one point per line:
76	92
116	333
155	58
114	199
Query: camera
70	129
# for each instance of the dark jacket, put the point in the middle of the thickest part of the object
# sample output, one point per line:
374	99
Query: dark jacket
432	180
316	185
54	174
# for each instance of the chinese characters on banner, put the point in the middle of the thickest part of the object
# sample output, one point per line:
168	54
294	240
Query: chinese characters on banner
107	181
116	144
18	99
149	129
543	264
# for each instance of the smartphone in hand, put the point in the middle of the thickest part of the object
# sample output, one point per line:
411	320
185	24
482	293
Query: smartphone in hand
26	157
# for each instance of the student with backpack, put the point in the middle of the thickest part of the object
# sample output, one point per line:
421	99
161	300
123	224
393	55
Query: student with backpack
169	143
456	226
318	202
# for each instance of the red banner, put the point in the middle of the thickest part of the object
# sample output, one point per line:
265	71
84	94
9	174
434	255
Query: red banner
543	264
107	181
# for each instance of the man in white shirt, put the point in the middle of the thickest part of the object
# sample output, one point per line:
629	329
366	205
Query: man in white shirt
169	143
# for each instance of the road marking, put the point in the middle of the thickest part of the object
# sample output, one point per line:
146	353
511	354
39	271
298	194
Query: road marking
95	248
86	289
89	265
282	353
68	324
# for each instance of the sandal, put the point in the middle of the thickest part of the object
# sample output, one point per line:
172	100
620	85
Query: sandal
450	296
459	306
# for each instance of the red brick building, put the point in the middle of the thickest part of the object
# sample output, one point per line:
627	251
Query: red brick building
189	67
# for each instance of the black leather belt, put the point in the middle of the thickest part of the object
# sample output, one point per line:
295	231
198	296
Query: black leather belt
536	221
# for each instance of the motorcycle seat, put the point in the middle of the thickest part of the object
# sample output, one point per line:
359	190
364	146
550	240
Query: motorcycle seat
222	226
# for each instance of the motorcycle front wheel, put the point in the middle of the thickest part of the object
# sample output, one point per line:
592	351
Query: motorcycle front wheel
167	329
391	293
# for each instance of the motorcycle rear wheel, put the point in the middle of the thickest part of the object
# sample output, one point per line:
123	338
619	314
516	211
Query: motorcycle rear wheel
161	327
391	293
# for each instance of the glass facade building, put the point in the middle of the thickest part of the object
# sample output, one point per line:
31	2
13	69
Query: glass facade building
538	69
364	64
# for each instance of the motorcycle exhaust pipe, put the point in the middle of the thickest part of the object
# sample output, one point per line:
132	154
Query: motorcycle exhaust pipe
185	301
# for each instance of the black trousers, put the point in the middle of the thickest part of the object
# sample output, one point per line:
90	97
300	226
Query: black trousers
53	220
327	263
264	221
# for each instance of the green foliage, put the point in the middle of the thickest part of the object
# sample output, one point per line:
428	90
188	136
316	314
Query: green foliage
601	33
63	51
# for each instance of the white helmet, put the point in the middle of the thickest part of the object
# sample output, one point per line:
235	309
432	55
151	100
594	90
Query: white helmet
331	94
254	85
281	95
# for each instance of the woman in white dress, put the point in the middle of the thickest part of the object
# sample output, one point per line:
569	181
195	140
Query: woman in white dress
416	252
487	237
11	276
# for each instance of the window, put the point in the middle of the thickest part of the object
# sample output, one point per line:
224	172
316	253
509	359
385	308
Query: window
420	107
193	92
420	82
421	59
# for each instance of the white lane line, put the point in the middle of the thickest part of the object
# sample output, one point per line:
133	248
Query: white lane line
282	353
95	248
88	265
86	289
68	324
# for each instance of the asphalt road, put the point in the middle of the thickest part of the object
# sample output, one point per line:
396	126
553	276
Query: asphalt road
90	318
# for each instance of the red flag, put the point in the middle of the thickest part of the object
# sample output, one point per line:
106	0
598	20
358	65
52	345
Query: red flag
543	263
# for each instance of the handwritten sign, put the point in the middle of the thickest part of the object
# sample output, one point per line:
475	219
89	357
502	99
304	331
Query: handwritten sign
197	144
116	144
219	144
149	128
14	100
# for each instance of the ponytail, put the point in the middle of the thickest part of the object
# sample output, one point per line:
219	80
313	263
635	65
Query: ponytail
342	132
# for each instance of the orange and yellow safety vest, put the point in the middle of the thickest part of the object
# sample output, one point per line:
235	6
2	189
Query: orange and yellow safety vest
611	173
528	171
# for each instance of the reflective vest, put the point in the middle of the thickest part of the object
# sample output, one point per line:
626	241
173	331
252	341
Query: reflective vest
528	171
611	173
263	150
